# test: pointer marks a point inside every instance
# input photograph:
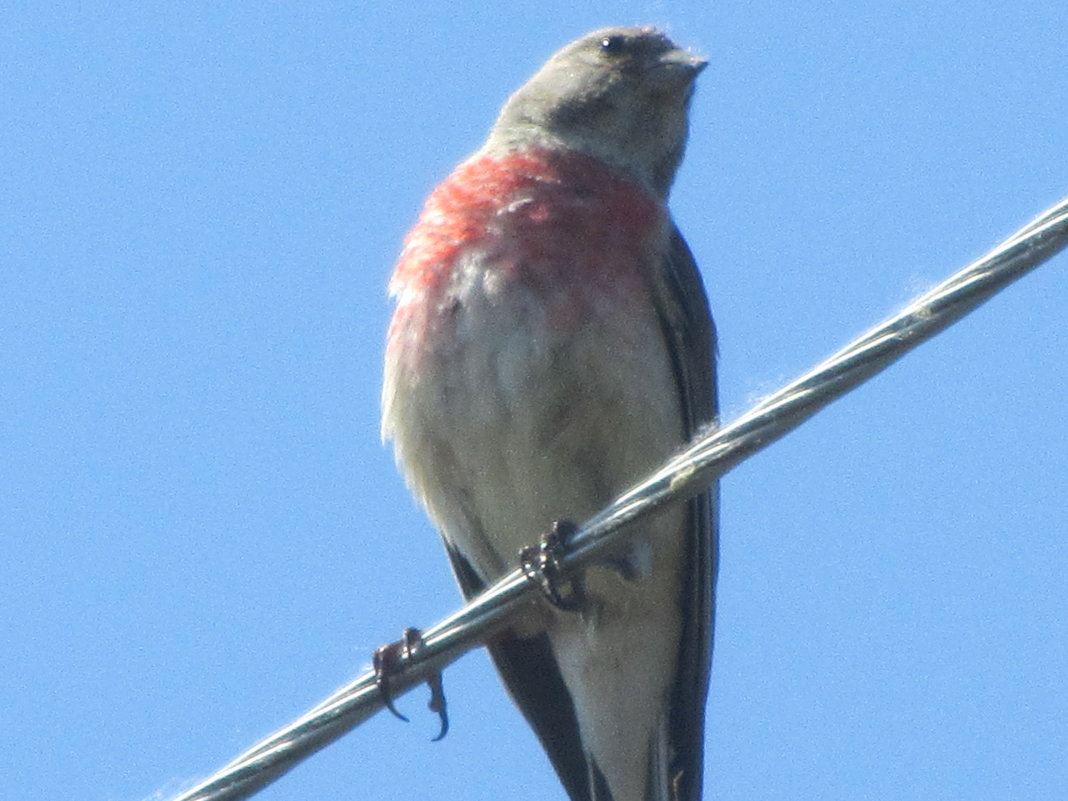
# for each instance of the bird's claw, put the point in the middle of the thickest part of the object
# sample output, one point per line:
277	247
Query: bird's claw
388	661
438	704
541	565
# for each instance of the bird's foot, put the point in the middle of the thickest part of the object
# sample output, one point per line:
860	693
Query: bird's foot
541	564
388	662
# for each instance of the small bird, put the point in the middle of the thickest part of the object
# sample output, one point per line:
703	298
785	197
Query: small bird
551	344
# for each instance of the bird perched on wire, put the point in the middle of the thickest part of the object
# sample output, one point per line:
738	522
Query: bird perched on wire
552	343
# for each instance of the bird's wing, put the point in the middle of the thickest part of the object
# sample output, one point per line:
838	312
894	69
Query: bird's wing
691	338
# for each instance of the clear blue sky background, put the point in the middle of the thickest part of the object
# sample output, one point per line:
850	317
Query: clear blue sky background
200	534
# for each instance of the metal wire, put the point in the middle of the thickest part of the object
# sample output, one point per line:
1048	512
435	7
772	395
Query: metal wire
709	456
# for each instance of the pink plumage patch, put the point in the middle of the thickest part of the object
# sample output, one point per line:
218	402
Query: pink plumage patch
556	203
571	229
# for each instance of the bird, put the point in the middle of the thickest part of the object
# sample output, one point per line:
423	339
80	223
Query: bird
551	342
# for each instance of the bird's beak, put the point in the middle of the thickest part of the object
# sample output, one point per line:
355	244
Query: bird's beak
677	68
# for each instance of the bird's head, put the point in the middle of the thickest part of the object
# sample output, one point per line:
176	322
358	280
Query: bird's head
620	94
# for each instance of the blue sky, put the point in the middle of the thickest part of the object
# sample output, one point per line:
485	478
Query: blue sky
201	535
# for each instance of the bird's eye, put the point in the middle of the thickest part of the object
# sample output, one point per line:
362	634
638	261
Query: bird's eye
613	45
